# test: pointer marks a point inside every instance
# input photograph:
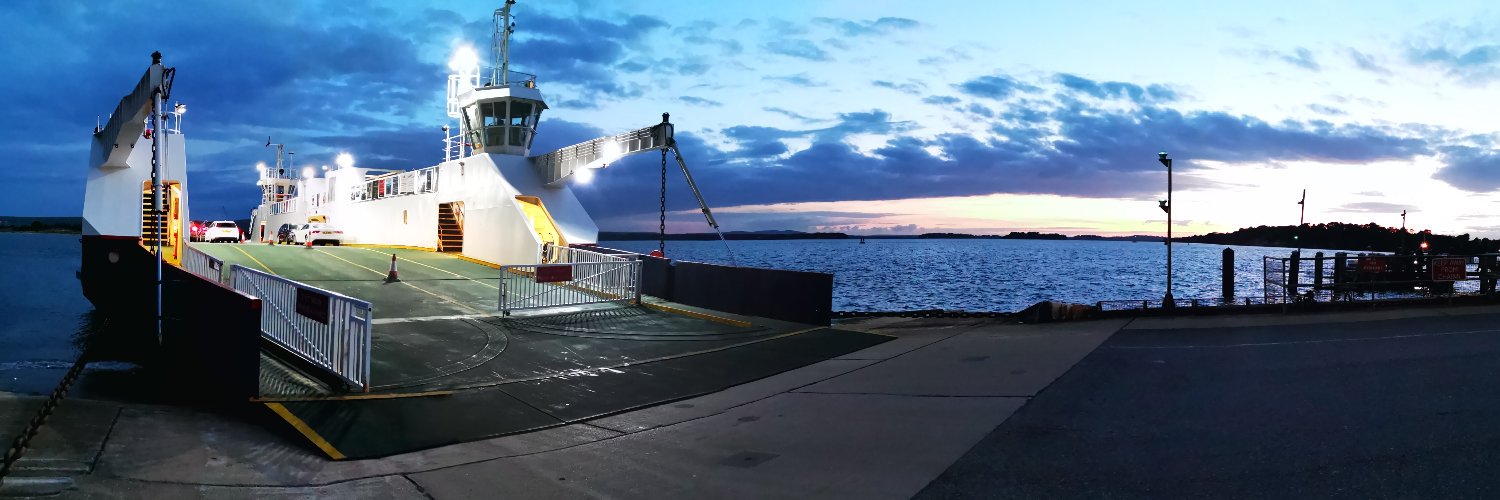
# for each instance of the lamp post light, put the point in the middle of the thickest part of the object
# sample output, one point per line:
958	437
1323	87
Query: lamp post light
1166	206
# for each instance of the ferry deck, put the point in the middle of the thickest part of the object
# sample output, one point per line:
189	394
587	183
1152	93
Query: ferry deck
447	367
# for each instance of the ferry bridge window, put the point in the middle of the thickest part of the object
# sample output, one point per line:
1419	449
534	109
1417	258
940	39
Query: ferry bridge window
520	112
493	117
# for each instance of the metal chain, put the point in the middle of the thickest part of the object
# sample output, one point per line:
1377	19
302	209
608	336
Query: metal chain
661	242
18	447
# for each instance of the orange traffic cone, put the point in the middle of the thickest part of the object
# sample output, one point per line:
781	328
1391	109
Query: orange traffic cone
309	243
391	276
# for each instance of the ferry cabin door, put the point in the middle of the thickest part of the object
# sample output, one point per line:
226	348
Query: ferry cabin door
546	228
262	231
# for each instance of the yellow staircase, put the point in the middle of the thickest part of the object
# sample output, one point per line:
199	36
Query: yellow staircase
451	227
170	228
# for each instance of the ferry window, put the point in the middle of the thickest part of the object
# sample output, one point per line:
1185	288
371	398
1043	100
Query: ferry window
519	111
493	113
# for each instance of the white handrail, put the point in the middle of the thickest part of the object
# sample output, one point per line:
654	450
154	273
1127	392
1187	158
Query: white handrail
327	329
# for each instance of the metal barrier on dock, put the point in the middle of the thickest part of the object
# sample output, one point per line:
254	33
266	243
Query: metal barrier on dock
327	329
203	265
578	277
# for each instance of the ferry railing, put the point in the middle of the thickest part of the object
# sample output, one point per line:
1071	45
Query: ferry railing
397	184
327	329
536	286
203	265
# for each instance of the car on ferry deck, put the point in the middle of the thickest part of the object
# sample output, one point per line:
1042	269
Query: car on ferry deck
196	230
222	230
284	233
319	233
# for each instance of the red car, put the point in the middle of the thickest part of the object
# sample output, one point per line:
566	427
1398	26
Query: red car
196	230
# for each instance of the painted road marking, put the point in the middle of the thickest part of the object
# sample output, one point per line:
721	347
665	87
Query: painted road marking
616	366
435	268
415	287
257	261
306	431
1297	342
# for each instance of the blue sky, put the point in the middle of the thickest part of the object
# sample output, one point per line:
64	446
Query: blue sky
857	116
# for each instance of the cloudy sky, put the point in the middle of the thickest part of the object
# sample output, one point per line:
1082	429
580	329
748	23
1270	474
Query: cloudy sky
858	116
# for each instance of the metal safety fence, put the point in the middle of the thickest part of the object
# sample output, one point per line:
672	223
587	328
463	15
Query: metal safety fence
327	329
534	286
203	265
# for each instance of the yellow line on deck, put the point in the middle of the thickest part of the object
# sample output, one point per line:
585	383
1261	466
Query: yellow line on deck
257	261
436	268
699	315
398	247
415	287
349	397
306	431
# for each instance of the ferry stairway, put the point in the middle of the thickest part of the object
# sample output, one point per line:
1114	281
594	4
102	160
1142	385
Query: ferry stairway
149	231
450	228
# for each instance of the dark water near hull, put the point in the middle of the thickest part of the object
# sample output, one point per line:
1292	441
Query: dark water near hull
46	322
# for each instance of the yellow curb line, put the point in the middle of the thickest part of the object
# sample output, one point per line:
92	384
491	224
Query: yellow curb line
306	431
476	261
699	315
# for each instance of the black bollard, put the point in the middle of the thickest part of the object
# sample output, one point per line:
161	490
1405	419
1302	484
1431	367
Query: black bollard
1293	273
1487	274
1318	271
1226	278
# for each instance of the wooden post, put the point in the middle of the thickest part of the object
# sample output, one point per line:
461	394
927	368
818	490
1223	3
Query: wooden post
1340	263
1226	278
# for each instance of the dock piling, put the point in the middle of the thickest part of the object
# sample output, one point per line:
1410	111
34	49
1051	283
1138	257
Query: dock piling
1227	276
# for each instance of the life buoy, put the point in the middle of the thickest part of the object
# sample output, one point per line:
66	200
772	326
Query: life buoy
657	254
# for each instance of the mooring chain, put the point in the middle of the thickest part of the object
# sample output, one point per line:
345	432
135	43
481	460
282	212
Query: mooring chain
661	242
19	446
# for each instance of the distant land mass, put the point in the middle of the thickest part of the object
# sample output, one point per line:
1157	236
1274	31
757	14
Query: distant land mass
1345	236
13	224
783	234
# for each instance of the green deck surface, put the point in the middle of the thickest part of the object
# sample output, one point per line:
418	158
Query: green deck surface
439	329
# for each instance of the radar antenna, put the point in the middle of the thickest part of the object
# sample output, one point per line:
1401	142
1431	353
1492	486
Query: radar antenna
500	44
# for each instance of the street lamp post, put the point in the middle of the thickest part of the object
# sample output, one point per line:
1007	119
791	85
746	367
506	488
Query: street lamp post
1166	206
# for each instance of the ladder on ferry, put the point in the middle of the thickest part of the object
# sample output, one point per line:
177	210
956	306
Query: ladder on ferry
450	227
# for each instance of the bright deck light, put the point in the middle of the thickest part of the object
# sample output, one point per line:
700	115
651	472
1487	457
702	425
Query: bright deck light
584	175
344	160
260	167
464	59
308	172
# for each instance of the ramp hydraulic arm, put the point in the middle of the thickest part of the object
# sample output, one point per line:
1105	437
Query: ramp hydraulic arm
557	166
128	121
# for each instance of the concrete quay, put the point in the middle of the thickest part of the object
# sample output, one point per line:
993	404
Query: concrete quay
1368	404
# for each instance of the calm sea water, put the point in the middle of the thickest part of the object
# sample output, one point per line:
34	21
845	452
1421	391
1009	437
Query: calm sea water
987	275
45	318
